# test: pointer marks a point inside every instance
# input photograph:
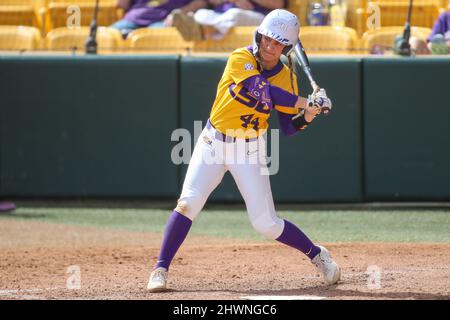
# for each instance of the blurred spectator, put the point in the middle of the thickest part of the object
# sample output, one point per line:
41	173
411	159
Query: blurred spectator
141	13
439	39
214	22
418	46
337	13
6	206
318	14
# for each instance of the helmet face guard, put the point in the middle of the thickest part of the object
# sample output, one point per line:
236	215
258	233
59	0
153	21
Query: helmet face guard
279	25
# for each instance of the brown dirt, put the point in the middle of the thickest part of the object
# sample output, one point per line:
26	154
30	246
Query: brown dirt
35	256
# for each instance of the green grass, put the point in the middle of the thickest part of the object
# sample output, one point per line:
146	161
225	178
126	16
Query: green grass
324	226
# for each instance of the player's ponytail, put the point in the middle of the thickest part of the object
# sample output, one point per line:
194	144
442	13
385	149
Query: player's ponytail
291	72
259	62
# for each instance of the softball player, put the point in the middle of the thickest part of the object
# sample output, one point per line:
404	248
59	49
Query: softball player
254	82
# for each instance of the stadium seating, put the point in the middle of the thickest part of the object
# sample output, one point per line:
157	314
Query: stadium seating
300	8
65	39
385	37
51	15
17	12
394	12
157	40
235	38
356	15
19	38
328	40
61	12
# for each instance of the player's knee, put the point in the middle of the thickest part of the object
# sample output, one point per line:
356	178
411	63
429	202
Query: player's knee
271	227
188	207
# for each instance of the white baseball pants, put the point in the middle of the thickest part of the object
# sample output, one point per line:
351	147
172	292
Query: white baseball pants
246	161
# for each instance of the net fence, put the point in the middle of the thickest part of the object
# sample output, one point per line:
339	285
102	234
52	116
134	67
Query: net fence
328	27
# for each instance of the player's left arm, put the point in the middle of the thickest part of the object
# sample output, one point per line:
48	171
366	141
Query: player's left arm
265	92
305	110
291	124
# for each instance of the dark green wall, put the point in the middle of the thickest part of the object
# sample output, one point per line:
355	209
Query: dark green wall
88	126
323	163
102	125
198	84
407	128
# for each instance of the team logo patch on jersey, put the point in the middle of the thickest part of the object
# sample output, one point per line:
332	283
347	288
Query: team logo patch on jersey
207	140
249	66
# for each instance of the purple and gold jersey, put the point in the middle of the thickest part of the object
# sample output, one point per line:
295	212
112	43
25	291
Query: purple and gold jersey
235	111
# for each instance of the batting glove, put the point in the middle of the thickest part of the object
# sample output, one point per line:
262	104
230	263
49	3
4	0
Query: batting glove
320	101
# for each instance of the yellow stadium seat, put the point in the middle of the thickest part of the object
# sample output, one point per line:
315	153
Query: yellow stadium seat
235	38
65	39
385	37
300	9
17	12
19	38
394	13
443	4
328	40
157	40
356	15
67	13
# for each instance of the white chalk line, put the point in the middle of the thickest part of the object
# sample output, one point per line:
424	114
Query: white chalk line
25	293
28	293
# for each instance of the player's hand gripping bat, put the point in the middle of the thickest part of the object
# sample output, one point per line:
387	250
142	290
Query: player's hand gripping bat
304	63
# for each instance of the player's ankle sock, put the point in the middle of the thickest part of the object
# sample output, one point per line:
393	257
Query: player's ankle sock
177	228
294	237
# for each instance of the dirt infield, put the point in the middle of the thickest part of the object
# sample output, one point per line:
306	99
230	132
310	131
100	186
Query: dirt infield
35	257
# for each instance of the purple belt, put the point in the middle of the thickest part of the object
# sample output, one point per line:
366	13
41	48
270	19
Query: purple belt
222	137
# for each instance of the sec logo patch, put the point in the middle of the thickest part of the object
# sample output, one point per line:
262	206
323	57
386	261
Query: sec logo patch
249	66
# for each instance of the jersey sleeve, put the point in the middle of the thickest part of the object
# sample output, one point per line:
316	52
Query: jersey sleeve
242	65
285	109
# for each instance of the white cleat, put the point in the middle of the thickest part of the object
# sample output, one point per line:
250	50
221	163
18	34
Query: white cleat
158	280
330	270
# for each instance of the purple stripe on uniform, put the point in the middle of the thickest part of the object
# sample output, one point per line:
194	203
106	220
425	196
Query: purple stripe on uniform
286	125
259	88
177	228
272	72
295	238
282	97
277	95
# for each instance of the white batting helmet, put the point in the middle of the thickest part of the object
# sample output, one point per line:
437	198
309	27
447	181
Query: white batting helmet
280	25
